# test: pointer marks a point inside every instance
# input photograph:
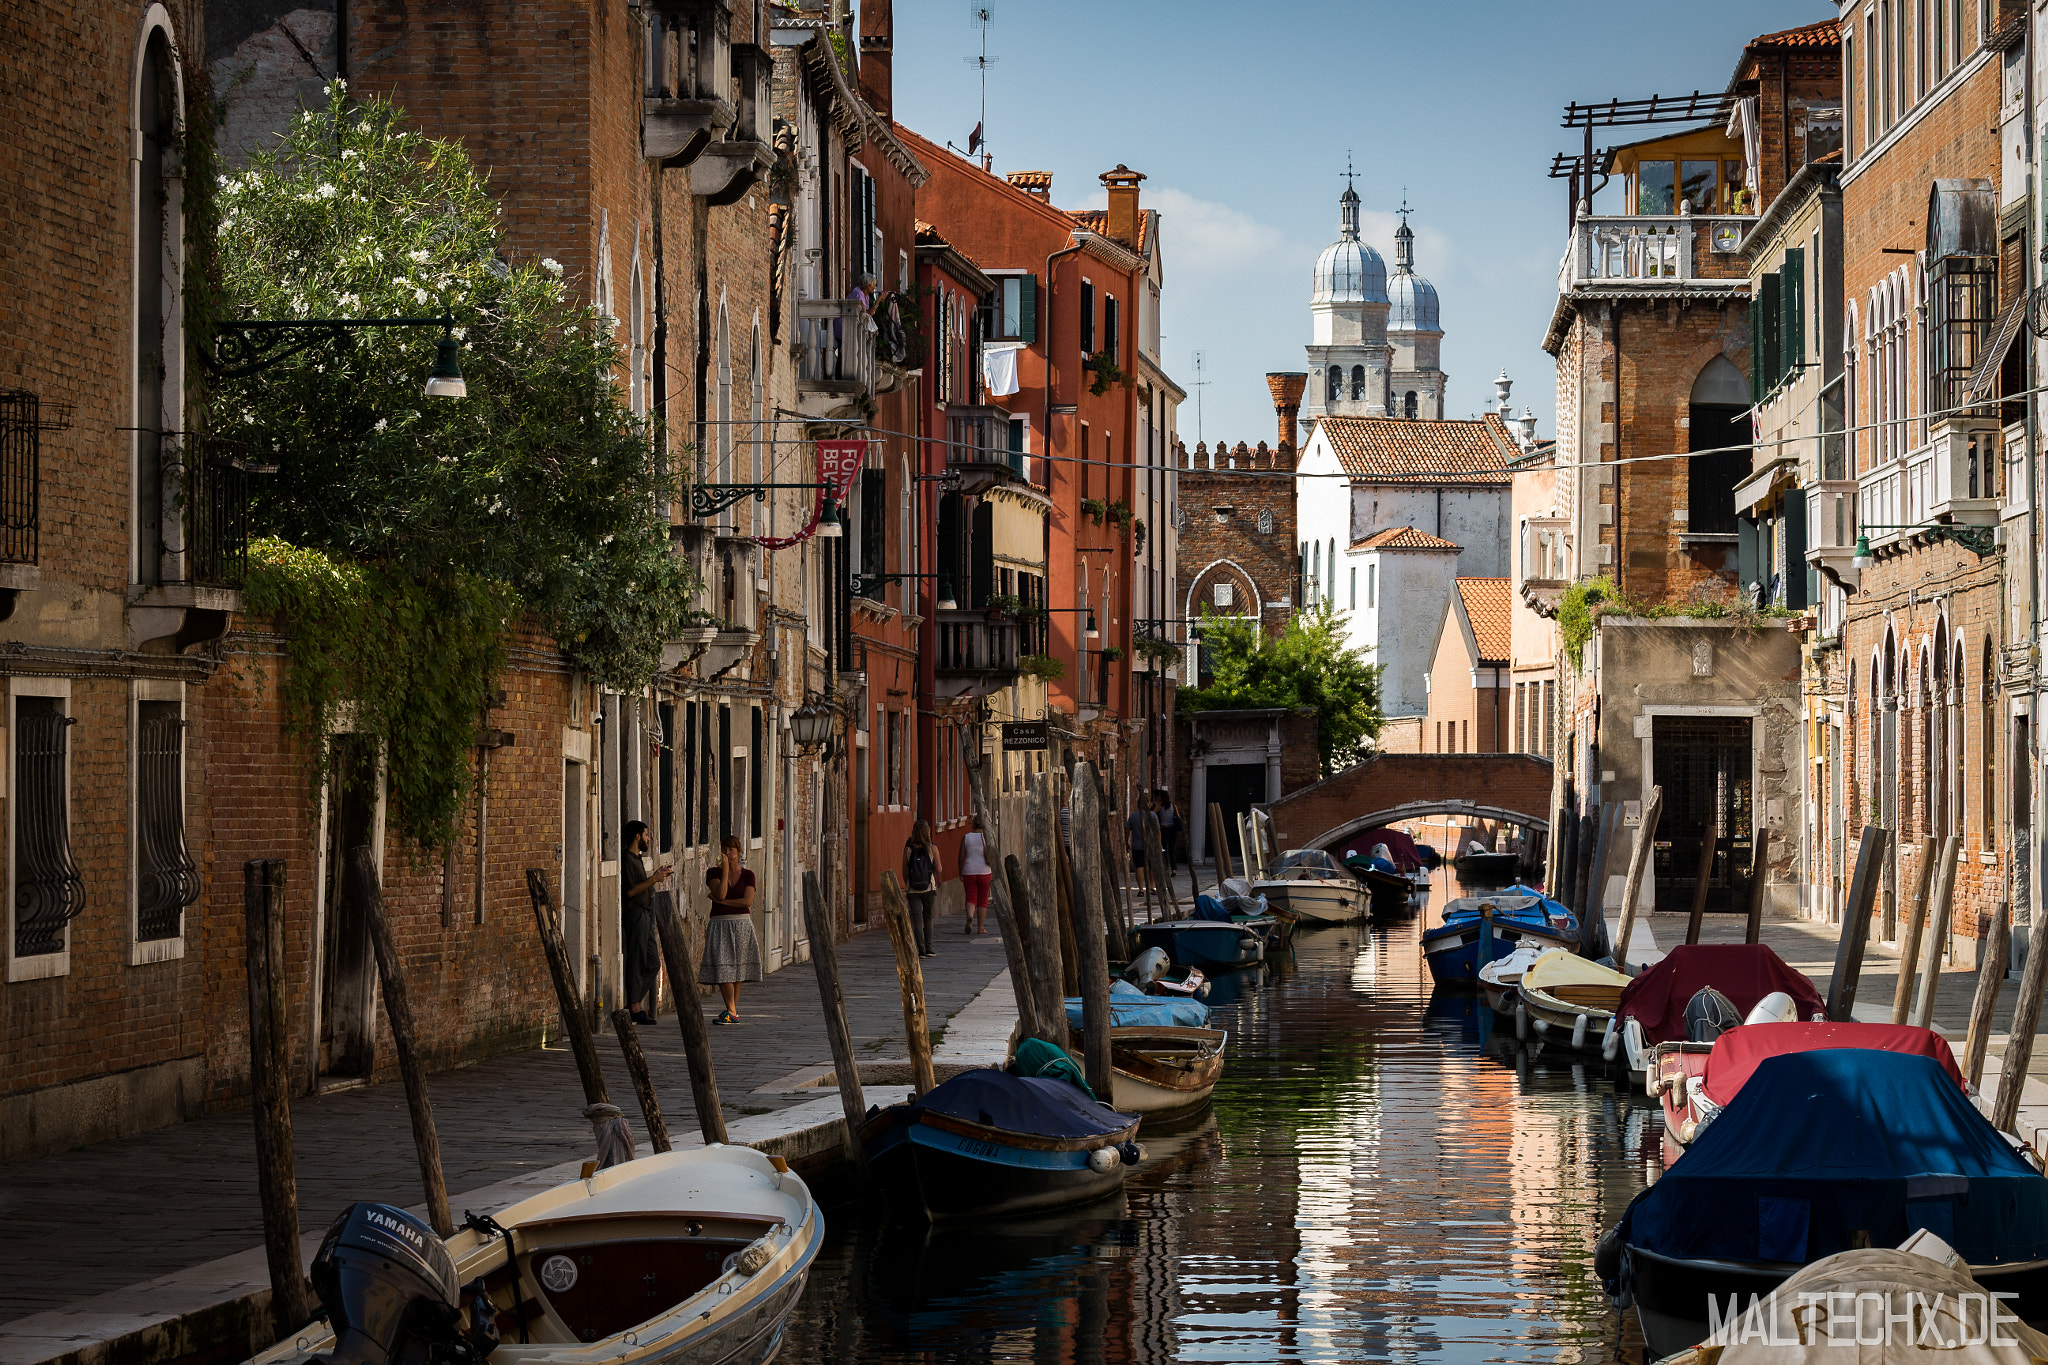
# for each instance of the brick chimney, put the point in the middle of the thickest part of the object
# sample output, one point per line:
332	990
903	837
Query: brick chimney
1122	184
877	44
1288	387
1037	184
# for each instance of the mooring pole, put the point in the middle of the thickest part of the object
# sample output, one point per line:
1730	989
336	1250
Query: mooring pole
1870	856
917	1030
362	867
270	1092
574	1020
846	1068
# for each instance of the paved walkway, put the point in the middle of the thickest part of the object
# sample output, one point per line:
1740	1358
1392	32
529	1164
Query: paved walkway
104	1217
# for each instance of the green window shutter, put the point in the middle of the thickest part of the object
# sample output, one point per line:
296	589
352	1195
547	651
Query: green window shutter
1769	305
1796	583
1748	553
1027	310
1756	347
1792	313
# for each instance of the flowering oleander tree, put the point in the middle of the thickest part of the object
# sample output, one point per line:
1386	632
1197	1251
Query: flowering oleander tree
539	493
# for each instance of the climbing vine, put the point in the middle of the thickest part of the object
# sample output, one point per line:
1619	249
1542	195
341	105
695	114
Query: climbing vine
1583	604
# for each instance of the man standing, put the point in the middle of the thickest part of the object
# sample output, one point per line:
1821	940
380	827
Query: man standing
642	940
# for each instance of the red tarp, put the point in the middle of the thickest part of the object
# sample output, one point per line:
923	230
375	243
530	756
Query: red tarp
1744	972
1406	859
1738	1052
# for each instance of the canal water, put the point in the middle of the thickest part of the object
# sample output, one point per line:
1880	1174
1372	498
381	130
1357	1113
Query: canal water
1383	1177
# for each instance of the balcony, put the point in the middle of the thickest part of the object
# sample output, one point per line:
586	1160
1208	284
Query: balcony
24	418
978	448
975	656
687	100
835	360
1831	529
1655	251
730	166
1967	456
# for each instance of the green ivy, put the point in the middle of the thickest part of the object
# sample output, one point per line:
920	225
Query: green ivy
1043	667
1583	604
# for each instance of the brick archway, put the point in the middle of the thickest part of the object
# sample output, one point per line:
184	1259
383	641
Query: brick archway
1511	788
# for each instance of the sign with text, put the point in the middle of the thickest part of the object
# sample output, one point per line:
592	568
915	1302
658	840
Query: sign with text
838	462
1023	734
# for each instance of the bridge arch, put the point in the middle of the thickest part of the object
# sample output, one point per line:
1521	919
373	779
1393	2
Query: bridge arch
1510	789
1331	838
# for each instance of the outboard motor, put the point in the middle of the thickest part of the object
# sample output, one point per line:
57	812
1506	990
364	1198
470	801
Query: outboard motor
1775	1008
1708	1015
1147	967
389	1288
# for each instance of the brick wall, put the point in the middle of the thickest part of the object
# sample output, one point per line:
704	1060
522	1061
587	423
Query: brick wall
1515	782
1216	546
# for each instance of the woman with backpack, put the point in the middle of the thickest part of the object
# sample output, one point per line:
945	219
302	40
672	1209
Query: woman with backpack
922	868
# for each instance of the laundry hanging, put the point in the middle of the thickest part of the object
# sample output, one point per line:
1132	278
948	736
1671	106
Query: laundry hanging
999	370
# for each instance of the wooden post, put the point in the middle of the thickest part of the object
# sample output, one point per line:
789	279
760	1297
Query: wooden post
1092	965
1638	859
1110	870
1863	887
1013	913
1166	903
981	785
643	1084
1593	919
1992	963
574	1021
1759	874
917	1029
1916	924
362	867
1042	942
1564	861
1219	842
682	986
1941	906
825	959
1700	883
291	1306
2019	1040
1070	947
1590	827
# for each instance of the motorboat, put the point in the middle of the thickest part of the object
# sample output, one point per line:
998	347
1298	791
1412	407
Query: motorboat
1500	980
1654	1008
1566	1000
1393	892
1822	1152
1478	929
1695	1082
672	1259
1312	885
987	1144
1478	863
1153	972
1214	944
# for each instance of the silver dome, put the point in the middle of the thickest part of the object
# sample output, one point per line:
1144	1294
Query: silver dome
1349	271
1413	303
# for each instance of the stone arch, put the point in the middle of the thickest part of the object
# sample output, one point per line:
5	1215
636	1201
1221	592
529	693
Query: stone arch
156	121
1718	430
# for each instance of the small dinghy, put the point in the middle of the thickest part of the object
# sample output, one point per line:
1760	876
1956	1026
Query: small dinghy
1823	1152
1570	1002
1653	1008
1500	980
1507	919
1480	864
987	1144
1216	944
1391	890
669	1260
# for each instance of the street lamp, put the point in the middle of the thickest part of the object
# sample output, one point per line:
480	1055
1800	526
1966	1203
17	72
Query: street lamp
446	380
709	499
1981	541
244	346
810	725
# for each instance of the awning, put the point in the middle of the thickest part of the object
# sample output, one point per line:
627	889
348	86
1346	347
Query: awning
1985	377
1759	486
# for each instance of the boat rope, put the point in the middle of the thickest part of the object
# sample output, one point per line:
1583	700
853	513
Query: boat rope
486	1226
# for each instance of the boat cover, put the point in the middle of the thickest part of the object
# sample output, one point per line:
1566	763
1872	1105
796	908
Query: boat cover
1208	907
1738	1052
1560	967
1824	1150
1021	1104
1406	858
1128	1005
1036	1057
1744	972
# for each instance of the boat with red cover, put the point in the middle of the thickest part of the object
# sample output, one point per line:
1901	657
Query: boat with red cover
1653	1007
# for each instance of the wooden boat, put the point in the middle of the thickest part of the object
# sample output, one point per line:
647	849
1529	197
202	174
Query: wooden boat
1160	1073
986	1144
1488	868
1500	980
1821	1152
672	1259
1571	1002
1215	945
1454	952
1309	883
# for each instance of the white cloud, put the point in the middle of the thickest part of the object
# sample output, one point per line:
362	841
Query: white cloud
1203	236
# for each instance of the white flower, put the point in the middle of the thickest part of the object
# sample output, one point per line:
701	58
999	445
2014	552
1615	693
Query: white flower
340	83
552	266
461	333
382	423
402	282
325	191
249	418
349	153
420	295
416	257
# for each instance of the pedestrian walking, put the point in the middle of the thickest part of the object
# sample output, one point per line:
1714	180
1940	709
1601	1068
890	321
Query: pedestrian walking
922	868
1134	836
731	952
975	874
1169	834
642	939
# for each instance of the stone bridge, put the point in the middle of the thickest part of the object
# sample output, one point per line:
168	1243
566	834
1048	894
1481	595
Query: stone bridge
1510	788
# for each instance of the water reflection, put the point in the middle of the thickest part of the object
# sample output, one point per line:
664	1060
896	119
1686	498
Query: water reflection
1383	1177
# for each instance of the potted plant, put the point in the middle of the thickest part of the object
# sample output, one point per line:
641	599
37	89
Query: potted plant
1095	509
1120	513
1162	652
1106	372
1112	653
1043	667
1002	604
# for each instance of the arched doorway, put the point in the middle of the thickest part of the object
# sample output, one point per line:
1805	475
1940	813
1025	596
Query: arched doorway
1717	419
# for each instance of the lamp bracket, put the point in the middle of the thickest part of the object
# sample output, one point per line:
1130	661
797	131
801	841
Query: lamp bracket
709	499
242	347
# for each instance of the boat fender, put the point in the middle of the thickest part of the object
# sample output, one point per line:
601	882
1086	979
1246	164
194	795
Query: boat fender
1579	1032
1607	1257
1103	1160
1132	1153
1610	1041
1521	1020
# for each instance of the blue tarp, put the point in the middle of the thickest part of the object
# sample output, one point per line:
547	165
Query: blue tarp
1208	907
1129	1005
1822	1146
1022	1104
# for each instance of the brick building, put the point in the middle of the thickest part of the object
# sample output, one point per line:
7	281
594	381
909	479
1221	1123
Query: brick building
1236	524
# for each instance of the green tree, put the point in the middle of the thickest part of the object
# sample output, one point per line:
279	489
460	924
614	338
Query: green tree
537	495
1308	664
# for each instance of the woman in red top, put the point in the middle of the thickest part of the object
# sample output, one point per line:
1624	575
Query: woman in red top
731	953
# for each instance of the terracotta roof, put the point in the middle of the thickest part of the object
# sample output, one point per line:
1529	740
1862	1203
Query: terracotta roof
1404	538
1097	221
1030	180
1394	450
1486	607
1826	33
927	235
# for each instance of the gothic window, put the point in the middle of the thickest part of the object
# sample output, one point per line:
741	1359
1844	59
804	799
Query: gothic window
159	239
723	411
1336	389
1408	405
1358	381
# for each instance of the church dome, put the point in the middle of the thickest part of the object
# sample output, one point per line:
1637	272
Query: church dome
1413	301
1349	271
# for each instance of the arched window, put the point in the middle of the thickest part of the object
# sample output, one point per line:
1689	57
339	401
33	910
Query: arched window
722	413
159	235
1408	405
636	332
1938	756
1315	578
1987	750
1336	388
1718	428
1927	741
1358	381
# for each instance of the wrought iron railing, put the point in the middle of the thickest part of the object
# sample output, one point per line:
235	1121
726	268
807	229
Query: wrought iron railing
168	879
971	643
24	417
207	480
49	892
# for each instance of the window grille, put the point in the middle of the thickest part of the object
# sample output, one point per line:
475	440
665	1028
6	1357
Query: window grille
169	880
23	419
48	891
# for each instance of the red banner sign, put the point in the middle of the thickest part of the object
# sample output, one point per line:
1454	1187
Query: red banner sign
838	462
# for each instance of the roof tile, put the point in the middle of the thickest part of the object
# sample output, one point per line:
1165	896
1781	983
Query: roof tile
1487	607
1395	450
1404	538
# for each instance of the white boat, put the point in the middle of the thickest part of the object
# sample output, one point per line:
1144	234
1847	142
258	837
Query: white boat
1160	1072
1500	978
674	1258
1314	886
1565	999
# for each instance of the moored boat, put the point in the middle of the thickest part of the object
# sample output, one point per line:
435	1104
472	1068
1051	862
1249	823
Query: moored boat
1160	1072
1479	929
1500	980
1212	944
716	1242
1654	1007
1568	1001
986	1144
1483	865
1310	884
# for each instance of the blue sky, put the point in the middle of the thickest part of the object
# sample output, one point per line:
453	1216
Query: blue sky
1241	116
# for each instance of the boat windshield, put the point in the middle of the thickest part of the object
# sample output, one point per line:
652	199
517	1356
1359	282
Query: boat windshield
1311	862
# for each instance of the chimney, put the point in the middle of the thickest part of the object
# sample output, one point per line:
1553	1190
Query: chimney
877	43
1037	184
1122	184
1287	387
1500	390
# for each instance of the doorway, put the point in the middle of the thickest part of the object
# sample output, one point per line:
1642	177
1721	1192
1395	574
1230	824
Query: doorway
1705	765
575	795
1235	787
348	966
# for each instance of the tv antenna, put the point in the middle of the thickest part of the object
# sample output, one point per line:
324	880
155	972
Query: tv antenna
982	16
1199	384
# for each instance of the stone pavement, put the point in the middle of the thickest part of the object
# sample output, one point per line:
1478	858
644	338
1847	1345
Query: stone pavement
116	1213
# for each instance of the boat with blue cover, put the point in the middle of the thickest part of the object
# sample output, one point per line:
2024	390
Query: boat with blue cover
1521	916
1818	1153
988	1143
1212	938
